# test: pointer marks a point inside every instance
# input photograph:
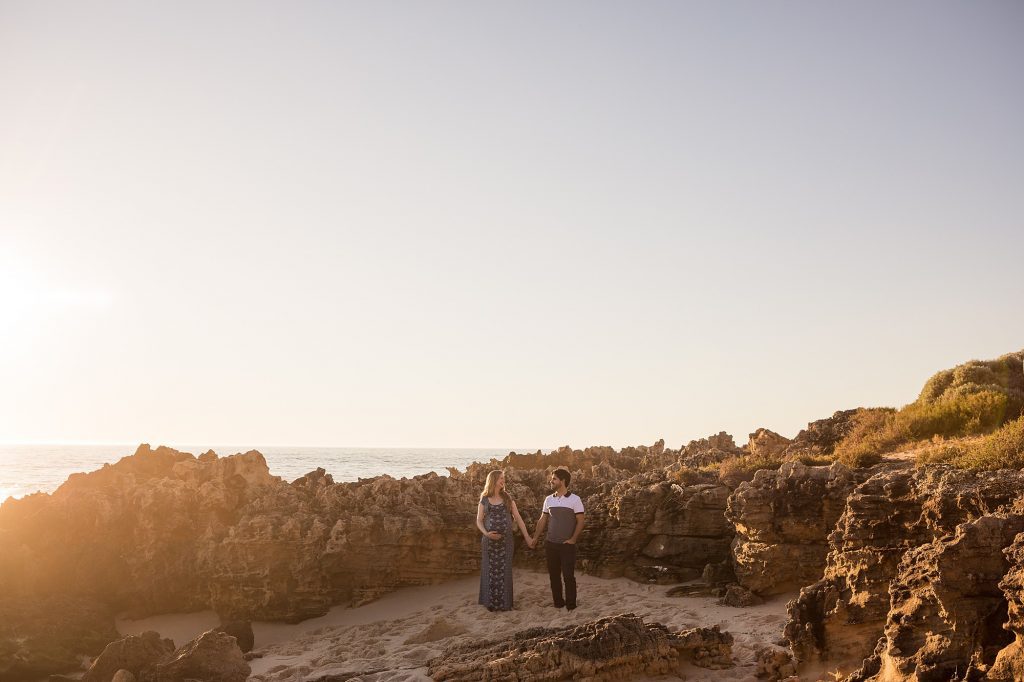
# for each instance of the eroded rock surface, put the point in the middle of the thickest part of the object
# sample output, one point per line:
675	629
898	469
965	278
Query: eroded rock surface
163	531
211	657
946	610
610	648
842	617
782	520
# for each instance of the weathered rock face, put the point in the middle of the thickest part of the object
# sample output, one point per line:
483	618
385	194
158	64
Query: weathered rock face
610	648
211	657
164	531
656	531
1009	663
841	617
133	653
708	451
946	610
821	436
767	444
782	520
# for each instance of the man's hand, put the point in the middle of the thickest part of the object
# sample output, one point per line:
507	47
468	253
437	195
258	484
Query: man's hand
493	535
570	541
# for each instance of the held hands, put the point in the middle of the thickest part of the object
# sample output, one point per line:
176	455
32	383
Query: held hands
531	542
493	535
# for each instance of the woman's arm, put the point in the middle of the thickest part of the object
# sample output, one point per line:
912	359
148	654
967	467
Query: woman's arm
493	535
519	520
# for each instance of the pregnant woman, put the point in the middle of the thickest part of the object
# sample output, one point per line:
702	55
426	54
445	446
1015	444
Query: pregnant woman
494	517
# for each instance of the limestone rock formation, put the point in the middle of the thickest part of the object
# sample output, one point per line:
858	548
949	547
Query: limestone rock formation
610	648
1009	663
133	654
841	617
163	531
821	436
782	520
767	444
211	657
708	451
658	532
946	610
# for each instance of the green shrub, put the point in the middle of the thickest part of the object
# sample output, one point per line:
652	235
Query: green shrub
874	432
972	399
1001	449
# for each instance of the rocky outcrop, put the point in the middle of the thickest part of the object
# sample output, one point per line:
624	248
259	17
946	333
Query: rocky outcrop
946	610
1009	663
767	444
782	520
133	654
211	657
163	531
611	648
821	437
656	531
840	618
708	451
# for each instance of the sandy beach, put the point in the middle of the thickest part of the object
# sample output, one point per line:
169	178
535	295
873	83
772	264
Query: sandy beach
394	637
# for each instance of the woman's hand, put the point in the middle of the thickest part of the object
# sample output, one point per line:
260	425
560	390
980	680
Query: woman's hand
493	535
531	542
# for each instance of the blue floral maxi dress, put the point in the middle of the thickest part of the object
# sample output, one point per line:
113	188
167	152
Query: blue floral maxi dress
496	558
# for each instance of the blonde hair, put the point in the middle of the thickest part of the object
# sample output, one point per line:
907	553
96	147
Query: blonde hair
492	483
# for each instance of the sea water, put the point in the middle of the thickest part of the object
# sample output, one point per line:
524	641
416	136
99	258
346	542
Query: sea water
25	469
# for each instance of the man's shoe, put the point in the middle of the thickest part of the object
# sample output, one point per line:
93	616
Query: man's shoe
570	608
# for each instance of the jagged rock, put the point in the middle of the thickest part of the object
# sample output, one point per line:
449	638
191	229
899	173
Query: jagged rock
821	436
775	664
946	610
133	653
163	531
1009	663
739	597
708	451
767	444
211	657
840	618
241	630
610	648
782	520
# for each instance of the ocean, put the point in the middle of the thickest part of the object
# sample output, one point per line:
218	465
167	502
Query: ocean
25	469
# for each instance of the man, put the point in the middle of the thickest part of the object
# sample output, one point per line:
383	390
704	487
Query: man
565	511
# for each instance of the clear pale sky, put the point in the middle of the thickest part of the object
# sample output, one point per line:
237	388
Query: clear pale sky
518	225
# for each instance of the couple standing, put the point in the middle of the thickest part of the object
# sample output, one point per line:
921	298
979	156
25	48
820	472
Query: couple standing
494	516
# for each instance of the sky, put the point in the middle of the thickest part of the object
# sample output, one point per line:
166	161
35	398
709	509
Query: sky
523	225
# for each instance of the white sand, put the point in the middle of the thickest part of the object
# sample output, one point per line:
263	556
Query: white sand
396	635
393	637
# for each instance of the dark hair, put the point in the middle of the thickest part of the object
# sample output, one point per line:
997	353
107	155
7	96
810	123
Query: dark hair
563	474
